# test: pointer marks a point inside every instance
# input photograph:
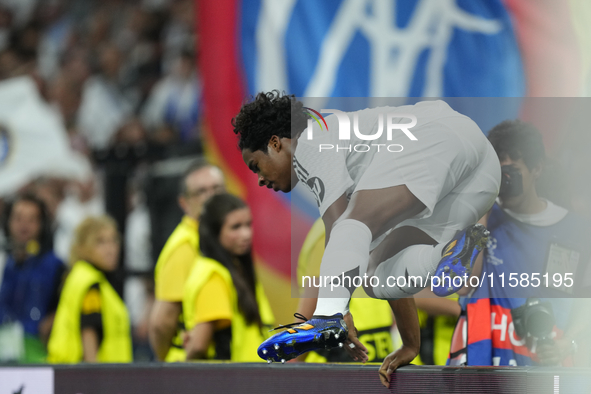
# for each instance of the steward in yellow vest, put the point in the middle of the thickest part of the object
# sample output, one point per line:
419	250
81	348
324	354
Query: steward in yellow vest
200	181
245	338
65	342
172	270
373	318
226	312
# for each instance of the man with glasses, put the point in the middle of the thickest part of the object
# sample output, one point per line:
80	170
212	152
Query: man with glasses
199	182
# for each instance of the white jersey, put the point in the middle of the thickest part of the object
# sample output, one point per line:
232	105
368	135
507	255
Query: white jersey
331	167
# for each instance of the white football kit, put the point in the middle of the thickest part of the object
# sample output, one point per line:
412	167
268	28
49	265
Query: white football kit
451	167
444	160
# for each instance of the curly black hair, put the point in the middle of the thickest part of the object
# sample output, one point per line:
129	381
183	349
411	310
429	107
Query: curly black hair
518	140
268	114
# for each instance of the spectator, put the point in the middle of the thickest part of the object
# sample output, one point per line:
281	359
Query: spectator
139	286
58	27
200	181
224	306
50	190
75	66
105	101
130	133
32	274
81	200
92	322
179	32
5	24
526	234
64	96
3	241
175	100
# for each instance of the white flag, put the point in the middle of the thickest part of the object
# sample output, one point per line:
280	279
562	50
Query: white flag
33	139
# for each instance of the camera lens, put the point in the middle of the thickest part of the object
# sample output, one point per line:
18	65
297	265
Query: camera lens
539	321
511	182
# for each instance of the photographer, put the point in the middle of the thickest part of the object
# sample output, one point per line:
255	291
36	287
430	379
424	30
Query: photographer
529	234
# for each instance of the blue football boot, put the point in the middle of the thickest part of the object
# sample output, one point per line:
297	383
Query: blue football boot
320	332
458	257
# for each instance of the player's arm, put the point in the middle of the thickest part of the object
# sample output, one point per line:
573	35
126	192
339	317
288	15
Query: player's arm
407	320
163	325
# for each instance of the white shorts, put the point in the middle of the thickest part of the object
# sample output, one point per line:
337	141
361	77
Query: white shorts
452	169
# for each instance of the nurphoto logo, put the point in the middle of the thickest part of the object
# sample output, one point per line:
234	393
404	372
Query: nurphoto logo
345	130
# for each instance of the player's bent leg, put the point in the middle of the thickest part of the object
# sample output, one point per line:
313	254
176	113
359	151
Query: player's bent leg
406	273
413	269
345	257
369	213
453	217
395	242
469	201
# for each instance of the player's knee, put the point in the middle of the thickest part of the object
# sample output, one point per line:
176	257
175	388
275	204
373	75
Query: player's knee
367	218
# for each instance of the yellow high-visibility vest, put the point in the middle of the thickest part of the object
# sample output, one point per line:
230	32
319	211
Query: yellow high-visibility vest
185	232
65	341
246	338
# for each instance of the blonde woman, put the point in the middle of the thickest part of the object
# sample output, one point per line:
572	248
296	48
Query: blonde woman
91	323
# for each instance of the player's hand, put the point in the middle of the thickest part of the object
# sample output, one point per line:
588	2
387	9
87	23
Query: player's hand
400	357
352	345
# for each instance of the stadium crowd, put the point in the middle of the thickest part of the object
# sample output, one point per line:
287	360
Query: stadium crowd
120	76
148	257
